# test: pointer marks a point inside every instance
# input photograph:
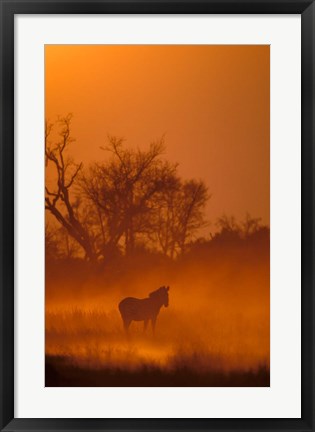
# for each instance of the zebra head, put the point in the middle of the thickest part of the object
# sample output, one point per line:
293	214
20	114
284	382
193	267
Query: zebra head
161	295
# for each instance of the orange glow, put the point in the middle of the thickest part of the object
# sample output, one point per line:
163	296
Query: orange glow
211	102
211	105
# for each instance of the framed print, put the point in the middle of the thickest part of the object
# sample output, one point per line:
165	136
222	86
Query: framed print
157	215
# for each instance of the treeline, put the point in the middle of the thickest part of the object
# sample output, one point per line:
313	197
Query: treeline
132	198
132	202
234	251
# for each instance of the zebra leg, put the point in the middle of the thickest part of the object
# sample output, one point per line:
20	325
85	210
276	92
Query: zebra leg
145	325
126	325
153	322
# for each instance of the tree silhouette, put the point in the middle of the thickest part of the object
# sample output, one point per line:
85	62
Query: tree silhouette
229	227
132	198
57	198
180	214
191	205
124	188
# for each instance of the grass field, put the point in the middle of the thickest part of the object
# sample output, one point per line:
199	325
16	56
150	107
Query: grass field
195	348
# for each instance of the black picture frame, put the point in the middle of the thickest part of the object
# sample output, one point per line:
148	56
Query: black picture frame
8	10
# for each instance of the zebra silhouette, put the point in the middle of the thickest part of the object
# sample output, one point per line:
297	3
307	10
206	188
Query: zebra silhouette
134	309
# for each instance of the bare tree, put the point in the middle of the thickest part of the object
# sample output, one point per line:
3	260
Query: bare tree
243	229
228	224
181	215
57	198
166	217
250	225
191	205
123	190
134	197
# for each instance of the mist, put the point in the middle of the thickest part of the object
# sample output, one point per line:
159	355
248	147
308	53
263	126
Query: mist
217	321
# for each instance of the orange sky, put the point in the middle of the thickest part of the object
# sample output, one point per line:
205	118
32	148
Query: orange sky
211	102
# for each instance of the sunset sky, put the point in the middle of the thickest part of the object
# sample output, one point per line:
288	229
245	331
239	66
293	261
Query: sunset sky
211	102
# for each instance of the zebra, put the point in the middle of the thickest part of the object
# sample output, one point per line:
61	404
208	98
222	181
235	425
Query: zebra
134	309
